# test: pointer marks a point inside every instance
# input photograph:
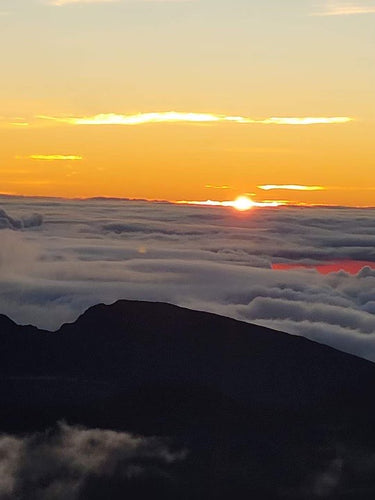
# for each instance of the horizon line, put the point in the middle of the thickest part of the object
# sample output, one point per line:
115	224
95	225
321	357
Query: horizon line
285	204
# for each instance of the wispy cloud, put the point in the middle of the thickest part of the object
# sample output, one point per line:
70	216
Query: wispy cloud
299	187
50	157
182	117
19	124
346	9
60	3
210	186
13	121
66	2
292	187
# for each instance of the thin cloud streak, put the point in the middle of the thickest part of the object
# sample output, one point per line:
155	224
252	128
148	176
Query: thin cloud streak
66	2
340	9
60	3
211	186
50	157
292	187
19	124
182	117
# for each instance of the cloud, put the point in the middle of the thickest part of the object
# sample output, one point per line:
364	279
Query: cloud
210	186
69	2
50	157
299	310
203	257
66	2
182	117
7	222
62	463
241	203
20	124
14	121
346	9
306	120
293	187
71	462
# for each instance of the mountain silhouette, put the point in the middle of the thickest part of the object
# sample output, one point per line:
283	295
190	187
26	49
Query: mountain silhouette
260	411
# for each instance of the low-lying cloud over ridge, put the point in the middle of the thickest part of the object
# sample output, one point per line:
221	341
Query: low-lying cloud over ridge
208	258
61	463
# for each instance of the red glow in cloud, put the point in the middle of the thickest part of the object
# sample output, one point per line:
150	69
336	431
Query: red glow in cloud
349	266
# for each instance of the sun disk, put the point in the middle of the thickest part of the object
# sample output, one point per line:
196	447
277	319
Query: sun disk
243	203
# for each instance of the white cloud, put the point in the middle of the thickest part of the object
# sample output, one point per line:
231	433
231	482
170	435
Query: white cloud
189	117
207	258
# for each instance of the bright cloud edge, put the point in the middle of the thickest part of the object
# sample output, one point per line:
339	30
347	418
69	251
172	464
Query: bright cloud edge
191	117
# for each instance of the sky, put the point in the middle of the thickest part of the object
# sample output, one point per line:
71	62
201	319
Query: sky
189	100
266	266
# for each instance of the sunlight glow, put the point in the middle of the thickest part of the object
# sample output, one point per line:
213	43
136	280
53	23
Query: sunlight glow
174	116
241	203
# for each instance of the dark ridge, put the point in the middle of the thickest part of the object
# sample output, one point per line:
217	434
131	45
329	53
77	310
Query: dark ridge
240	397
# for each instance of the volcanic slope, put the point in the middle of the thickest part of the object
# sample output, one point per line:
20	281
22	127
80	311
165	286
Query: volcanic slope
261	413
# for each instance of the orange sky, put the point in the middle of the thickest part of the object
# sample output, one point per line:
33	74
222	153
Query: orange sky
189	100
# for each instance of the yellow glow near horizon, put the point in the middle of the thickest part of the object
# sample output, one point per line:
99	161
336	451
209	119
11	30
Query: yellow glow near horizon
188	117
241	203
281	108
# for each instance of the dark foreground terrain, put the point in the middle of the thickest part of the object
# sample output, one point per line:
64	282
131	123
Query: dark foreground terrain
242	412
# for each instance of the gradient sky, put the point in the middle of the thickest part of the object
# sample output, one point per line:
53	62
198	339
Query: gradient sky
189	100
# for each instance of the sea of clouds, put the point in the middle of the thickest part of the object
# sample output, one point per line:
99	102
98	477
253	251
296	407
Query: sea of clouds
58	257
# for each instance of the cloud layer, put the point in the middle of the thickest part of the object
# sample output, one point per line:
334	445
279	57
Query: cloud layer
208	258
62	463
27	221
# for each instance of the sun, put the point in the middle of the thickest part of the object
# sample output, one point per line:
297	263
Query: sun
243	203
